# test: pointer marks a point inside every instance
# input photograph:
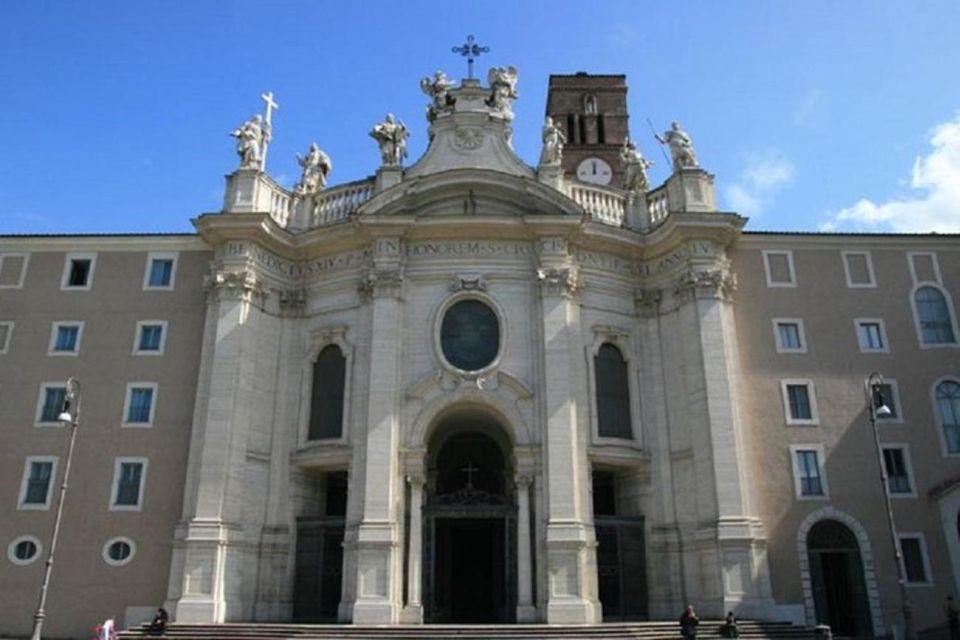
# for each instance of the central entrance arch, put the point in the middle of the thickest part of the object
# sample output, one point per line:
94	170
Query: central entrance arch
469	537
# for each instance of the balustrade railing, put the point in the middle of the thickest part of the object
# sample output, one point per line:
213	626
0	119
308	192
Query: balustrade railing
339	202
603	205
657	205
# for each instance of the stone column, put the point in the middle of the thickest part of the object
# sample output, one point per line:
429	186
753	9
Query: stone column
526	612
571	542
378	585
413	612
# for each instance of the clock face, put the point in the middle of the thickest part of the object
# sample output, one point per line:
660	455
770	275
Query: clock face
595	171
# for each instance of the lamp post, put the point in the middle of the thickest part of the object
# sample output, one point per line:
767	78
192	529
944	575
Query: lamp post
73	393
874	398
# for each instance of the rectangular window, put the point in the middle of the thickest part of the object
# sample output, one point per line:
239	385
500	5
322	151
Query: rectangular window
871	335
13	268
150	337
140	404
38	474
779	268
858	268
899	474
65	338
129	475
924	267
916	565
799	401
161	270
886	395
50	404
789	335
809	472
78	271
6	332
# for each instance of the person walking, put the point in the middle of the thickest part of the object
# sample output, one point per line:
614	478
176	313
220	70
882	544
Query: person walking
688	623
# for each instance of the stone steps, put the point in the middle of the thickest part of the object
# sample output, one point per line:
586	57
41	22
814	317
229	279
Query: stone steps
612	631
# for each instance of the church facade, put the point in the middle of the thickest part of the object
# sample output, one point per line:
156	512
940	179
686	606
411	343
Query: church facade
472	390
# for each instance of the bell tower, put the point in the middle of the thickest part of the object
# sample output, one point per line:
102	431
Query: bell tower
591	110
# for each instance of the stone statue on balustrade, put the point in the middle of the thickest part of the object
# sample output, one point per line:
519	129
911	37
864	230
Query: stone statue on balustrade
503	89
316	167
551	154
634	167
438	88
391	135
681	147
252	138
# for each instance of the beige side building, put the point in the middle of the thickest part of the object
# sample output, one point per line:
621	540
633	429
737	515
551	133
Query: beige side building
600	400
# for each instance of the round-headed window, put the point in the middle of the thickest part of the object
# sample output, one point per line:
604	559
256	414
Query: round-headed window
470	335
118	551
24	550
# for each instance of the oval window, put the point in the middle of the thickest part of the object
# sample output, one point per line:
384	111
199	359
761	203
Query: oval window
470	335
118	551
24	550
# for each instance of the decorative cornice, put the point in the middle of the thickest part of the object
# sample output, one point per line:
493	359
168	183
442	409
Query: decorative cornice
559	282
468	282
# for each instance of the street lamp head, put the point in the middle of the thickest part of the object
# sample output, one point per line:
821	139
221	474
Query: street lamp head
65	416
883	411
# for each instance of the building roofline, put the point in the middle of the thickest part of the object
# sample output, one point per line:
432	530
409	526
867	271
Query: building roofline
862	234
98	235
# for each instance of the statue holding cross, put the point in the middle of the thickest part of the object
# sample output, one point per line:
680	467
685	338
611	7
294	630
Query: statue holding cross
254	135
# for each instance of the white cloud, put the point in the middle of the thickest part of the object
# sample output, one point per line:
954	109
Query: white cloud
765	174
935	203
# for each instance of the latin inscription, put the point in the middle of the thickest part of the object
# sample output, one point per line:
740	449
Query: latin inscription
472	249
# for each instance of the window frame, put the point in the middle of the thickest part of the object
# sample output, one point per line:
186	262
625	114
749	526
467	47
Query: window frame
620	338
173	256
138	331
951	312
23	269
12	550
801	333
814	419
105	551
795	449
895	392
5	344
904	448
911	255
320	339
54	334
41	401
858	322
938	419
115	485
925	556
68	261
128	397
766	253
22	504
872	284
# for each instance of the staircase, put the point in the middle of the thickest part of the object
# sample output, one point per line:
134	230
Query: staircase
613	631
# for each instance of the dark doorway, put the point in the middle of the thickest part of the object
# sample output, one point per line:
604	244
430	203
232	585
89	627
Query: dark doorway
470	574
836	573
319	564
469	529
621	556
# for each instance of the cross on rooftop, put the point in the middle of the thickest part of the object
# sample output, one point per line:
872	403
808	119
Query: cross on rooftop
469	470
470	51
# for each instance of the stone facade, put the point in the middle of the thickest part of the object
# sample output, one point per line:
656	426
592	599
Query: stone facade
702	314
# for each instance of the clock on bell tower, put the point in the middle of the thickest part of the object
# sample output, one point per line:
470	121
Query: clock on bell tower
591	110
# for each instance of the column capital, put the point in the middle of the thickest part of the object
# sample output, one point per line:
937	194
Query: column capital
382	283
416	480
563	281
243	285
719	282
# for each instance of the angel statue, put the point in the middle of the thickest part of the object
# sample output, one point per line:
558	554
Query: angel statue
503	89
681	147
635	167
316	167
392	136
438	88
553	140
252	138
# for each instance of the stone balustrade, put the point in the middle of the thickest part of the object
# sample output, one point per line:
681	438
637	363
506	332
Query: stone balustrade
603	205
339	202
658	205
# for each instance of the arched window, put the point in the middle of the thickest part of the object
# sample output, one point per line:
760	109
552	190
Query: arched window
613	393
326	398
947	398
933	314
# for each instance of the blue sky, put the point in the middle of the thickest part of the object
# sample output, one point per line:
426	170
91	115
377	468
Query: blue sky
812	115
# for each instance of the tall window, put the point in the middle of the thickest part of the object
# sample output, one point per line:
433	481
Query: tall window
898	473
140	404
613	393
326	399
37	478
799	397
933	316
788	334
128	478
913	551
947	398
51	403
808	473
